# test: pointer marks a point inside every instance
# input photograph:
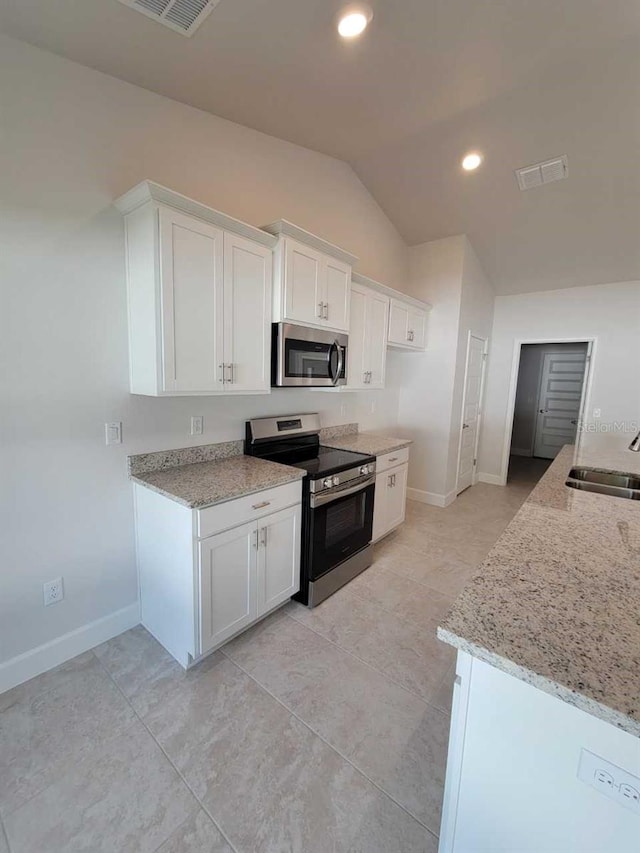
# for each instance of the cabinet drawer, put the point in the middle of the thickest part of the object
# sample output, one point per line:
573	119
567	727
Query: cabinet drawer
213	519
390	460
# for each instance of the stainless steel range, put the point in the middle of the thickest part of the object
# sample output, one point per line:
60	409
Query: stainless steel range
337	508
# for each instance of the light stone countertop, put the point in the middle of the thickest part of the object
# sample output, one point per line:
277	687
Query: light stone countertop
556	603
367	442
200	484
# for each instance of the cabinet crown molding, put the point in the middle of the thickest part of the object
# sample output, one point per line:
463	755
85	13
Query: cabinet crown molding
147	191
358	278
284	228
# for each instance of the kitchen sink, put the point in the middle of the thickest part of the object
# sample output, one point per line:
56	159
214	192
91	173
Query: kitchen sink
615	483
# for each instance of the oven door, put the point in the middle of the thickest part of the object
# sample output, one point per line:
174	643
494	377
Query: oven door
341	524
308	357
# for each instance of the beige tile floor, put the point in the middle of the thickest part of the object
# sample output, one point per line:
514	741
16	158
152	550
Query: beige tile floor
316	731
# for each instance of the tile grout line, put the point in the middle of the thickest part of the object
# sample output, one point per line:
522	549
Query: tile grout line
399	616
367	664
3	834
331	746
184	781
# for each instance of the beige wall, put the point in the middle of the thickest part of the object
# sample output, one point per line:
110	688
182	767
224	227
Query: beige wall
71	141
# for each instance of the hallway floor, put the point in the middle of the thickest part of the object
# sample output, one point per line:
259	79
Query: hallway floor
315	731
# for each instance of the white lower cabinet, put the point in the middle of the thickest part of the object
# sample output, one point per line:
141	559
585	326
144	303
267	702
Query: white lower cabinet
245	572
197	591
391	492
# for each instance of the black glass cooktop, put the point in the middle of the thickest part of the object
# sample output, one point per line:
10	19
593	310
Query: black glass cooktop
329	460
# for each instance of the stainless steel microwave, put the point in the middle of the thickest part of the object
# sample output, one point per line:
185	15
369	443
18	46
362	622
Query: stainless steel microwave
301	356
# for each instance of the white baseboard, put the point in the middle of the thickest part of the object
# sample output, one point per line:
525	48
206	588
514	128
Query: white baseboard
492	479
42	658
431	498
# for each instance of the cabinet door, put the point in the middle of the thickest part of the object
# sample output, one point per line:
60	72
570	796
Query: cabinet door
396	496
191	254
380	506
247	315
377	321
398	323
357	365
337	289
227	584
304	291
417	328
278	558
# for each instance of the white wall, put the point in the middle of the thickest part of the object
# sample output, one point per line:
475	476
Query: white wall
610	313
73	140
447	274
424	413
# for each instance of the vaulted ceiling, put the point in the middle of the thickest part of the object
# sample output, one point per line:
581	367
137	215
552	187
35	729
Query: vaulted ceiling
519	80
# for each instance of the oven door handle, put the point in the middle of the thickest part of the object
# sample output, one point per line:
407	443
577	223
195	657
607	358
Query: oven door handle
330	497
340	352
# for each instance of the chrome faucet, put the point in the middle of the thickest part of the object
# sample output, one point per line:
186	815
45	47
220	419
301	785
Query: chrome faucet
635	444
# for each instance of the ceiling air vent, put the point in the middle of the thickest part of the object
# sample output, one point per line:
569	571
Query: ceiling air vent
542	173
183	16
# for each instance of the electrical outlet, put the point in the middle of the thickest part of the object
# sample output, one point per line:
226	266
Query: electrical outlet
53	591
612	781
197	425
113	433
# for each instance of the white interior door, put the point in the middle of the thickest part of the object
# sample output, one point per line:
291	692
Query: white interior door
474	381
559	402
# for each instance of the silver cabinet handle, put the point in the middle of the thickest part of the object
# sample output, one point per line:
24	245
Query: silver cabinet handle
320	311
255	539
370	375
261	505
393	459
465	426
229	370
364	377
263	537
390	481
221	373
326	311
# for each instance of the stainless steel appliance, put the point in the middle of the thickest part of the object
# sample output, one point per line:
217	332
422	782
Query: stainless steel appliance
337	500
301	356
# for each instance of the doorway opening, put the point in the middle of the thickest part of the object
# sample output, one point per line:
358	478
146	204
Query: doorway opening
549	401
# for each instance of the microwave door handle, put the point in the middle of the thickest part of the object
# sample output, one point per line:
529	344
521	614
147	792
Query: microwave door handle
340	353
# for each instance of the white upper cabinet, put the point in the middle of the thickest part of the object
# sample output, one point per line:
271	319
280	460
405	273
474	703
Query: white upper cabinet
367	338
199	297
303	293
191	264
312	279
247	312
407	325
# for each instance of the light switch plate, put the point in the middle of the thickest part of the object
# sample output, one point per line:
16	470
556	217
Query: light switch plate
113	432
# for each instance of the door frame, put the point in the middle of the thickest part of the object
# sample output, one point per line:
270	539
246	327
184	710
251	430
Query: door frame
590	341
485	352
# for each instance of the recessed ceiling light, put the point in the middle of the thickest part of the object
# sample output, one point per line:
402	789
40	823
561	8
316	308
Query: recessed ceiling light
471	161
353	20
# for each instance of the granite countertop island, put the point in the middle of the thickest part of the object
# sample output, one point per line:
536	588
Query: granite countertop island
198	477
556	603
